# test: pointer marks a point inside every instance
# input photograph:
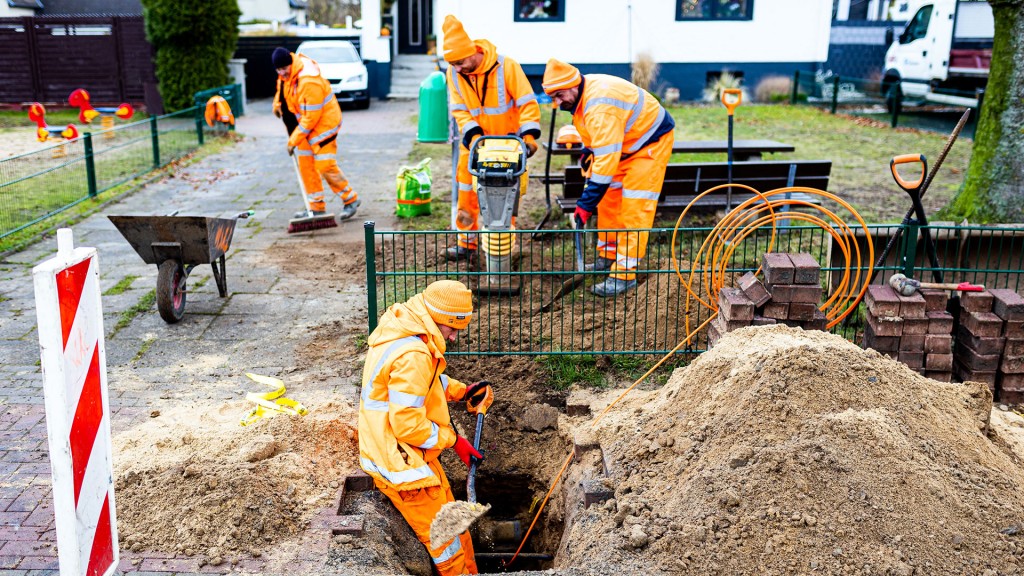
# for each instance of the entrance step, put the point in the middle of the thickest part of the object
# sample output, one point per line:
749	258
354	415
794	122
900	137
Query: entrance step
407	72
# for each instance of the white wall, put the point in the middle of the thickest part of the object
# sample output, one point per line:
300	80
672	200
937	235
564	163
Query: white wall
264	10
374	46
615	31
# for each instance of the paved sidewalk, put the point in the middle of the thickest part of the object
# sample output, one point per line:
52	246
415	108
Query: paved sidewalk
267	316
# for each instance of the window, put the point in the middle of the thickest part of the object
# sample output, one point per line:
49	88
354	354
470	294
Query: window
540	10
918	26
714	9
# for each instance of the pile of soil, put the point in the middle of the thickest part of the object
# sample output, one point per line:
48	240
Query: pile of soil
198	483
785	451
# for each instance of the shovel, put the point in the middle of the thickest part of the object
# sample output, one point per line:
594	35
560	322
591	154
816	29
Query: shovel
577	279
456	517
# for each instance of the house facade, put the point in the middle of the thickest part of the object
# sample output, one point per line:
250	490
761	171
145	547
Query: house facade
693	41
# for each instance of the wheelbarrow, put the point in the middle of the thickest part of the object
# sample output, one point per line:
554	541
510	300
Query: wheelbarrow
177	244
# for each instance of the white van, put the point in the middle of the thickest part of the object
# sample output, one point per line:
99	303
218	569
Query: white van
342	66
943	54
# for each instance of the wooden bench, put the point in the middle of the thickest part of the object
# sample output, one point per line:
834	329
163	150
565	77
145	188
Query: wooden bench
684	182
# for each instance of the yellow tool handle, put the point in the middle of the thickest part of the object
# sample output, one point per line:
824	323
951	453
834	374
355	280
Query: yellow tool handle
731	98
908	159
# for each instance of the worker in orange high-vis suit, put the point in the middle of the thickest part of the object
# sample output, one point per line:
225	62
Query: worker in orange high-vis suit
628	138
314	141
404	422
488	94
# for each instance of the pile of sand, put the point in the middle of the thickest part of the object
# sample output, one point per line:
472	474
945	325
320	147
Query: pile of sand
784	451
200	484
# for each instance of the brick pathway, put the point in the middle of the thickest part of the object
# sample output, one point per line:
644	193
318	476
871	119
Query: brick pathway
255	328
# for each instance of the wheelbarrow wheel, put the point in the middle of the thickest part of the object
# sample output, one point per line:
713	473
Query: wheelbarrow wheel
170	291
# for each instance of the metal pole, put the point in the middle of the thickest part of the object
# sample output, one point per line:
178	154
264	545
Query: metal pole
371	276
199	125
728	193
835	93
796	86
90	164
154	133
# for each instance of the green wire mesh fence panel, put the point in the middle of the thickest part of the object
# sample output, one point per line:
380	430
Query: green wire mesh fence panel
655	316
177	134
38	184
122	153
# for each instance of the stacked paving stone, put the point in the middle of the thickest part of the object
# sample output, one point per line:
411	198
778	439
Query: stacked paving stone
915	330
979	340
1009	307
790	295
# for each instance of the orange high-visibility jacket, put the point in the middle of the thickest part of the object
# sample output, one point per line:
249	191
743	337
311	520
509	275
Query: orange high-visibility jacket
218	110
403	409
615	118
310	98
494	99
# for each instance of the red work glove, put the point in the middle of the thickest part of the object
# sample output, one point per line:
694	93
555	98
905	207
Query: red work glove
465	450
581	215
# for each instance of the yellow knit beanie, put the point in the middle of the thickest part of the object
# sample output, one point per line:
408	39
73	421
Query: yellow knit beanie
449	303
457	44
559	76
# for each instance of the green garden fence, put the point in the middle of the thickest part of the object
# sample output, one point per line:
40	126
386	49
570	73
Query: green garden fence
651	319
38	185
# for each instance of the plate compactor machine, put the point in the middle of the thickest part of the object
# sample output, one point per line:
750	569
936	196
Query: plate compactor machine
498	166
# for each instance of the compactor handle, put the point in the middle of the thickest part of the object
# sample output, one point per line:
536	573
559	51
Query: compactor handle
909	159
731	98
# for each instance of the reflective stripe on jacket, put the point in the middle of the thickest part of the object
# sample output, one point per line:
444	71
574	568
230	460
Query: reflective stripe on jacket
403	409
309	96
494	99
615	118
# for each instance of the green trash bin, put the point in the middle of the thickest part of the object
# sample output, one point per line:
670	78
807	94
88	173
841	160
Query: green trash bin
433	124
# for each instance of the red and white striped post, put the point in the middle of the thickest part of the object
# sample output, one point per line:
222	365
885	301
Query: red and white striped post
70	320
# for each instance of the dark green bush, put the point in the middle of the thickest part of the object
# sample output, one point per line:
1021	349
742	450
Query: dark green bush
193	42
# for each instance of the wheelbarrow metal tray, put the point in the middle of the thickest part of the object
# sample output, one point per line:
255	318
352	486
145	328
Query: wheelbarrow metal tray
188	239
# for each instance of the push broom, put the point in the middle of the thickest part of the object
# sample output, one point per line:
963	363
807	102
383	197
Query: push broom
309	222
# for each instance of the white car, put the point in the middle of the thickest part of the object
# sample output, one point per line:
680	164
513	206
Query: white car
342	66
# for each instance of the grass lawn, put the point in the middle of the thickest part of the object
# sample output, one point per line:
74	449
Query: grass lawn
860	151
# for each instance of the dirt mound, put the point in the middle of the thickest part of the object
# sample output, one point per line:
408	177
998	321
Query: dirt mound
200	484
784	451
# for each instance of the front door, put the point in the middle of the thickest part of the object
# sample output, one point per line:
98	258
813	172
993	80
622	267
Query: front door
414	23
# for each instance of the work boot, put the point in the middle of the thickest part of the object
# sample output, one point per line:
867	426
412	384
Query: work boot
456	253
308	214
349	211
612	287
599	265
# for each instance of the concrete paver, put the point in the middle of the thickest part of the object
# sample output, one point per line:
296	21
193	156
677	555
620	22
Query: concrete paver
266	318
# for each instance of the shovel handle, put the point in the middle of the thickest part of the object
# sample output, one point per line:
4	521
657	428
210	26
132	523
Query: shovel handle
909	159
731	98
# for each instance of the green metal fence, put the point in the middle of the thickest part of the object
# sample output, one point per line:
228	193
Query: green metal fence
652	318
40	184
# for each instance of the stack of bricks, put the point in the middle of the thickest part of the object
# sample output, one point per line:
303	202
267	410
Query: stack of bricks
1009	307
790	295
979	340
915	330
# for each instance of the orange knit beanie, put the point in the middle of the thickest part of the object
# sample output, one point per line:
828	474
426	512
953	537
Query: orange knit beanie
559	76
449	303
457	44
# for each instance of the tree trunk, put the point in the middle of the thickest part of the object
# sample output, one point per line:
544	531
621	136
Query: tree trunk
994	188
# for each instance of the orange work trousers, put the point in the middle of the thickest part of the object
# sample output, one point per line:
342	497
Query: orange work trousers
631	202
322	163
467	218
419	507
